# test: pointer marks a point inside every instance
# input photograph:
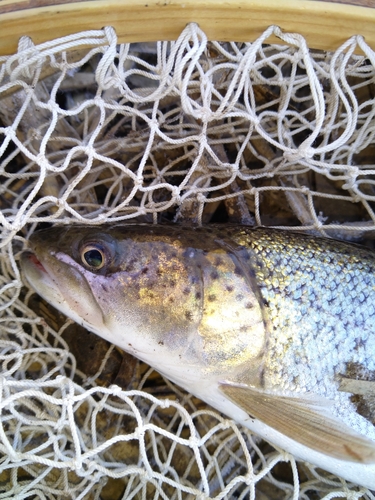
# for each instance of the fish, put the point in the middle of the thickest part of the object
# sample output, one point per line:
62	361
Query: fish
274	329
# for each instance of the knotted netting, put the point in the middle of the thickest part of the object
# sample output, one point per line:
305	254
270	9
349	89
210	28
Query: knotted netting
189	131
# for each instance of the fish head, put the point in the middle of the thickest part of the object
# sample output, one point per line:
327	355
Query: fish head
164	294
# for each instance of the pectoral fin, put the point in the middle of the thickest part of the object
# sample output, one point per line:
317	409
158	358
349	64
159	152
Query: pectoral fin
304	420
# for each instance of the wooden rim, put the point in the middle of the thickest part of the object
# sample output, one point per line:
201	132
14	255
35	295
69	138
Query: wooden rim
325	25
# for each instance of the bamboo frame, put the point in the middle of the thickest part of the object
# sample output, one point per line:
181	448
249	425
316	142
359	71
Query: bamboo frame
325	25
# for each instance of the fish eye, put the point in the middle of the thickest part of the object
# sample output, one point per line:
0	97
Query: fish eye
93	257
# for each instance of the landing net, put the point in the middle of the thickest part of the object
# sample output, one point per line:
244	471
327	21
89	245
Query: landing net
189	131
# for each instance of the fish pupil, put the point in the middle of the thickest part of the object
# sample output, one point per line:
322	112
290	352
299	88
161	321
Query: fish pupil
93	258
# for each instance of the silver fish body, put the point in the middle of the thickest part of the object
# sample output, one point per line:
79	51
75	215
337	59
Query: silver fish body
274	329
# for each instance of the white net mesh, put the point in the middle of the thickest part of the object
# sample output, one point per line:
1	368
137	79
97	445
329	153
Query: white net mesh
188	131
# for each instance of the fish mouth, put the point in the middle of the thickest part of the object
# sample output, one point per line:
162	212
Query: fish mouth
63	286
30	257
38	277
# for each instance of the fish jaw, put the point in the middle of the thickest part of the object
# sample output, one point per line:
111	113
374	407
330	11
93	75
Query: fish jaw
72	297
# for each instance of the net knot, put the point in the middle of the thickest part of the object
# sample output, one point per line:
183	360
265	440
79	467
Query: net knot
204	114
139	433
111	35
175	193
115	390
302	153
13	455
26	52
25	42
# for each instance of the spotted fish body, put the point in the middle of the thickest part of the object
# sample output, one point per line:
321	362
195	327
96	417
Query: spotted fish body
277	330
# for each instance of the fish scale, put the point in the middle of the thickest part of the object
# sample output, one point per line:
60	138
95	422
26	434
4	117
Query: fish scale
296	289
310	309
275	329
